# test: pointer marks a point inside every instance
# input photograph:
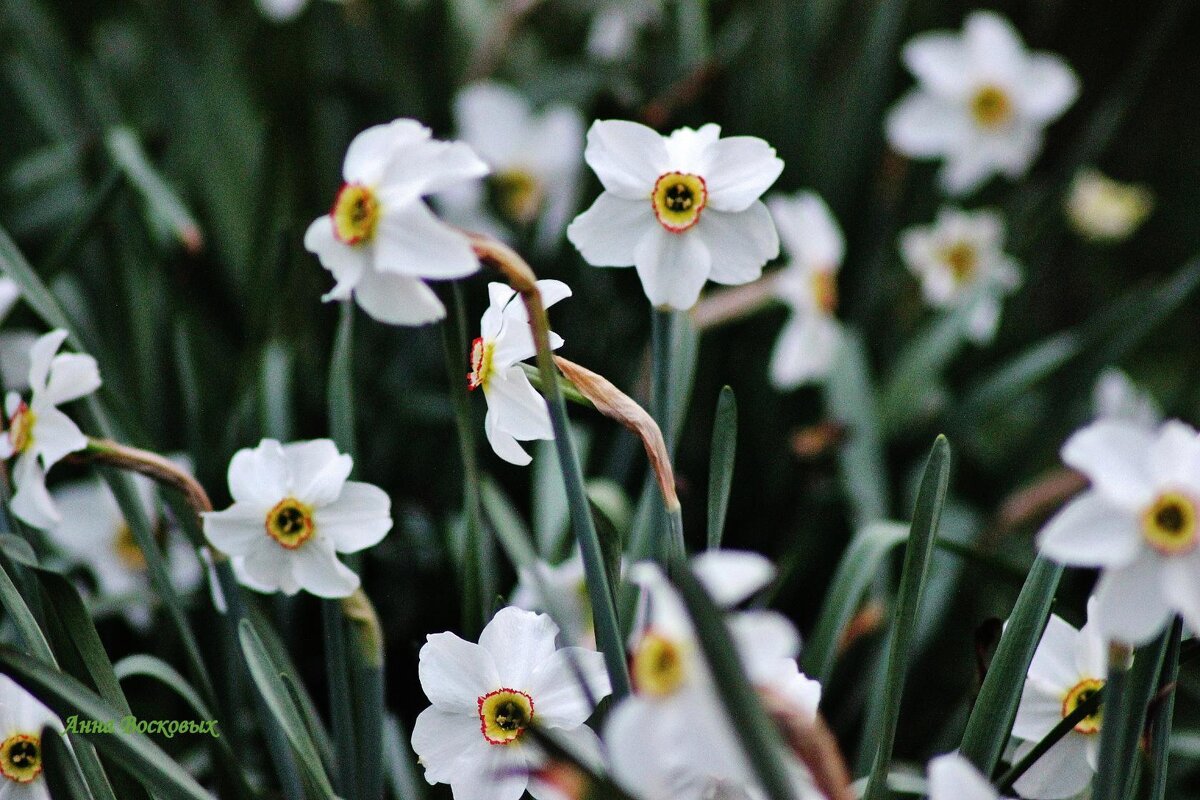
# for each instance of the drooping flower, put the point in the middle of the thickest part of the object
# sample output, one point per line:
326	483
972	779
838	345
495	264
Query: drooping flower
981	102
961	264
952	777
486	695
94	533
294	510
1104	210
682	209
39	435
380	239
516	411
22	717
1068	667
1116	397
534	157
808	285
1139	523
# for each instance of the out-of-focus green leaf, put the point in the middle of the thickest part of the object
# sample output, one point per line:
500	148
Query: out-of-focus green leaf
403	777
165	212
720	465
851	401
59	769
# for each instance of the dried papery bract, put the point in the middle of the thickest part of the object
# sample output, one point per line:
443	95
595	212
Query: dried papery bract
813	743
615	404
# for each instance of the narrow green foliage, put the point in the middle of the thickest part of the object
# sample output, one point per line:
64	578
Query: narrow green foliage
166	214
1130	689
22	617
1085	709
340	395
59	768
996	707
1160	730
341	697
759	738
400	763
851	401
918	552
720	465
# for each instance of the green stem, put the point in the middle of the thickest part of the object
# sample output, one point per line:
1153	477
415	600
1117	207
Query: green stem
454	344
1160	731
1065	726
341	701
1109	782
662	377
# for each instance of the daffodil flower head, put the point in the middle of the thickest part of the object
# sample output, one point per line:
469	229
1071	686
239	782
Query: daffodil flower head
961	264
294	510
485	696
1068	667
516	411
682	209
807	284
380	240
1139	523
22	718
1104	210
953	777
981	102
39	435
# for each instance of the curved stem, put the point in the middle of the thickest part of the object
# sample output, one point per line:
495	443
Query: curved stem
153	466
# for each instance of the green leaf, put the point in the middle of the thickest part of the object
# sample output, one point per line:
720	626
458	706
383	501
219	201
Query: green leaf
926	515
1128	693
996	707
341	385
275	387
910	390
26	624
720	465
398	759
165	212
60	770
134	752
851	401
1160	732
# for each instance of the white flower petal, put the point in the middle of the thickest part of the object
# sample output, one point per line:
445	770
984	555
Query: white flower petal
628	158
398	299
1040	709
494	773
455	673
359	518
443	740
494	120
804	350
923	126
939	61
607	234
673	268
503	443
1130	604
72	375
952	777
1048	88
732	576
236	530
966	169
372	150
316	471
266	568
739	244
427	167
690	150
1174	457
317	569
763	638
559	700
40	356
55	436
993	46
259	477
519	641
1181	585
411	240
1114	456
740	169
1062	772
808	230
519	409
346	263
1090	531
31	503
1054	660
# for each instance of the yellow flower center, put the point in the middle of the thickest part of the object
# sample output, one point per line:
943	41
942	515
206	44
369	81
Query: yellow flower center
127	550
290	523
1169	524
481	363
991	107
659	667
678	198
962	259
1081	693
517	194
20	428
504	714
355	214
21	757
825	291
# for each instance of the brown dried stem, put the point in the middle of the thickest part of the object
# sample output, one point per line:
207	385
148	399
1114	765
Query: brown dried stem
813	743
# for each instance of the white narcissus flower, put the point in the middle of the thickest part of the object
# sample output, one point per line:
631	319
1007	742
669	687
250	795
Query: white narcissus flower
1116	397
1068	667
1105	210
952	777
380	239
485	695
93	532
22	717
808	285
516	411
567	585
682	209
293	512
615	27
534	157
981	102
961	264
1139	523
39	435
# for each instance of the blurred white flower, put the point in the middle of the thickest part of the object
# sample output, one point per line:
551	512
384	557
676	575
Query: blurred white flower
981	102
1116	397
516	411
15	347
380	239
293	512
567	586
281	10
10	293
22	717
534	157
672	737
1139	523
485	695
808	285
94	533
39	435
682	209
615	27
1068	667
961	264
952	777
1105	210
